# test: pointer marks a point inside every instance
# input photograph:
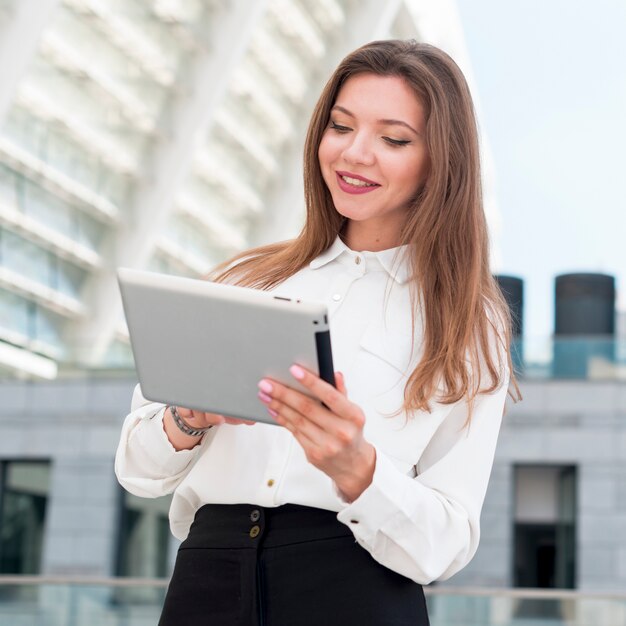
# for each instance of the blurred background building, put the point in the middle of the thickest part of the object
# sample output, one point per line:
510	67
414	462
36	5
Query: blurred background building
167	135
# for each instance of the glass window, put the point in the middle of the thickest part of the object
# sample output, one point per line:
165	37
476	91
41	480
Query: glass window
8	186
22	194
52	144
119	355
29	260
144	536
24	488
544	531
25	258
47	327
186	234
69	278
144	545
15	313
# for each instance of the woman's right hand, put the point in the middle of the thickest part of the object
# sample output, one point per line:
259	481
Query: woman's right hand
195	419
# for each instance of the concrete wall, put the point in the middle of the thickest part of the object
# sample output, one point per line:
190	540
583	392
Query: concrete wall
581	423
76	425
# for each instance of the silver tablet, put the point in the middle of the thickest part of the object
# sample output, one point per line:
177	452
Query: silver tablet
205	346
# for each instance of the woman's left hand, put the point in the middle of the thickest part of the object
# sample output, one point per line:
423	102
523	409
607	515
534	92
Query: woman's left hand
331	434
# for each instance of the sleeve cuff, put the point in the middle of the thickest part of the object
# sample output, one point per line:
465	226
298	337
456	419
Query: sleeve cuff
150	435
380	505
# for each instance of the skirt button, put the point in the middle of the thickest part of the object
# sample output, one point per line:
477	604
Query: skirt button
254	531
255	515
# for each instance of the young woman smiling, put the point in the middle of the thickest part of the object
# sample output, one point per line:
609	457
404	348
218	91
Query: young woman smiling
376	488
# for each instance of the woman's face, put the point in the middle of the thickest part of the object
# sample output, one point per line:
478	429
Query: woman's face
373	152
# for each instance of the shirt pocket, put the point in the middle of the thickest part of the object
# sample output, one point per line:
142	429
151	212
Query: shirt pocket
394	347
385	361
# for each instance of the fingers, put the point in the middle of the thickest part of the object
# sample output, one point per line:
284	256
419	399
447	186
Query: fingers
340	381
201	419
335	399
235	421
297	410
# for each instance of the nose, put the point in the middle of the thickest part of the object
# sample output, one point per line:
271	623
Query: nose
359	149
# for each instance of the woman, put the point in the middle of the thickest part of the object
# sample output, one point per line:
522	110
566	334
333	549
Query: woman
362	496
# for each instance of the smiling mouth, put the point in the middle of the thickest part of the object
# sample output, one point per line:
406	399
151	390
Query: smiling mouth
357	182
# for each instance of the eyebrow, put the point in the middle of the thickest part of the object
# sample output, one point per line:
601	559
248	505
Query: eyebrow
388	122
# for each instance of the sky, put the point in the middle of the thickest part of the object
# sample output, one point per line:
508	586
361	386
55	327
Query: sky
551	79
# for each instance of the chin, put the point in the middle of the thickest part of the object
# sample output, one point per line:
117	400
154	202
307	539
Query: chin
351	214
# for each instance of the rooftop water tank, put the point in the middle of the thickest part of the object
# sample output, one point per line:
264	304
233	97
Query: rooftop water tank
584	304
584	326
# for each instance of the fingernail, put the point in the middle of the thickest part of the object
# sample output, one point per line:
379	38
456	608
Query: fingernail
297	372
263	397
265	385
272	412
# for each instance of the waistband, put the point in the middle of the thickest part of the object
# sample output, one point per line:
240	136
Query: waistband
232	526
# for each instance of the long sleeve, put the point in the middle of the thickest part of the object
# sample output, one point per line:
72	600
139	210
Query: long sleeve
427	527
146	463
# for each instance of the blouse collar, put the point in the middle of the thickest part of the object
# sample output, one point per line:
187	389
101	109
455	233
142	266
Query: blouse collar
393	260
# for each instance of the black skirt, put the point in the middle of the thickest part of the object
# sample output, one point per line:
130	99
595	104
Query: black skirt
245	565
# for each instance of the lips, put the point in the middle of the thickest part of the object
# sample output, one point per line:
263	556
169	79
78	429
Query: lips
355	184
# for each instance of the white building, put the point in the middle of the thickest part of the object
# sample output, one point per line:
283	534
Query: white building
161	134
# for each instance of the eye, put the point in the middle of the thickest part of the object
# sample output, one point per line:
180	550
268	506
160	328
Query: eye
396	142
339	128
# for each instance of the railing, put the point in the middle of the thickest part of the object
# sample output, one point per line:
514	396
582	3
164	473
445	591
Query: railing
70	601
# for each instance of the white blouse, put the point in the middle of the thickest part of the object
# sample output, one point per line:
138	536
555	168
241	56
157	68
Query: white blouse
420	515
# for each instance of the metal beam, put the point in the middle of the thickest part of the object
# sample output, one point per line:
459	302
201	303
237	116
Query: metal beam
19	39
365	21
189	119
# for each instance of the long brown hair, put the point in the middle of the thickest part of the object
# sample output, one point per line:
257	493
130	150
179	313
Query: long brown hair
464	314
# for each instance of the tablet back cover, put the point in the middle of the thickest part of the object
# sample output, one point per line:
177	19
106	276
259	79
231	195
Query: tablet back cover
206	346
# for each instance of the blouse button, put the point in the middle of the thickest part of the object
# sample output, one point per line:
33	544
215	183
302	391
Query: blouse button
270	482
336	297
357	260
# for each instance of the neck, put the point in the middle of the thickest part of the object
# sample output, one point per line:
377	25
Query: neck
360	238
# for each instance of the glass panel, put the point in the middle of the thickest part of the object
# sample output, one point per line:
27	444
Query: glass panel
566	530
20	193
144	536
69	278
15	314
25	258
144	539
23	499
545	521
8	186
190	238
47	326
106	59
31	261
118	356
54	146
